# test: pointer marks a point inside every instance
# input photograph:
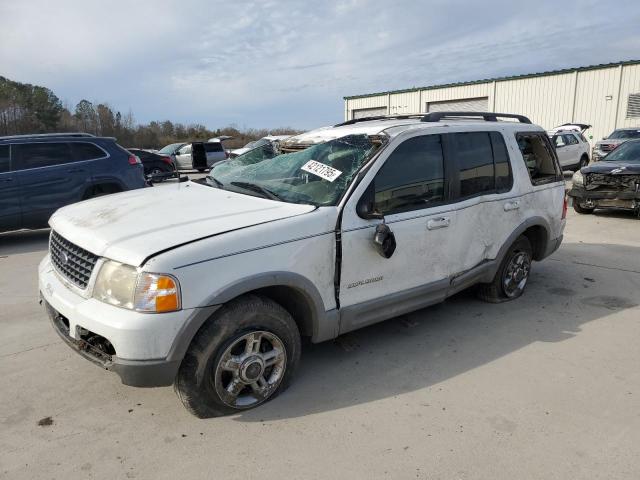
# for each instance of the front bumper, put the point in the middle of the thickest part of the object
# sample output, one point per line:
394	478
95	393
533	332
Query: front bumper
143	344
606	199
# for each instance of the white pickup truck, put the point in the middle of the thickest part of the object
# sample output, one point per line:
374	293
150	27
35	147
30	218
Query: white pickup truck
209	286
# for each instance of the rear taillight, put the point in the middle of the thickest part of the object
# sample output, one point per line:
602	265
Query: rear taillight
564	207
166	160
134	160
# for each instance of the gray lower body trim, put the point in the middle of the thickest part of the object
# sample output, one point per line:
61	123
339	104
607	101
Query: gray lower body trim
379	309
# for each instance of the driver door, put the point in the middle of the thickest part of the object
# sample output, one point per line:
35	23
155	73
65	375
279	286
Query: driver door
410	190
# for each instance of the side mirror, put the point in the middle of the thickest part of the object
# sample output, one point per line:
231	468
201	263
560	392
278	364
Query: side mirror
384	240
366	207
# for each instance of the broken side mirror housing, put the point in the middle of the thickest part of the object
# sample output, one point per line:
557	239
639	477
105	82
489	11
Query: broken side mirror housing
384	240
366	207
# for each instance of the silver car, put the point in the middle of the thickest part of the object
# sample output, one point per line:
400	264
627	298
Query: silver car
613	141
199	155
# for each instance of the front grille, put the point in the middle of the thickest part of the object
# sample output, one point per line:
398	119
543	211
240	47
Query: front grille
603	181
607	147
71	261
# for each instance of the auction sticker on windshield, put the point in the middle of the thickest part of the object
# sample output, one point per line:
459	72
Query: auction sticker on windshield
321	170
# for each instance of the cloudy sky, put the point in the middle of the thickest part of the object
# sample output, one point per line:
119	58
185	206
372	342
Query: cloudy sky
289	63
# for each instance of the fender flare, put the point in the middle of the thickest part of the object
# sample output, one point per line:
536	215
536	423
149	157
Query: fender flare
323	324
520	229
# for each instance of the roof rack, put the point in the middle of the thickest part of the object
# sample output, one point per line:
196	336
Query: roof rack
380	117
487	116
47	135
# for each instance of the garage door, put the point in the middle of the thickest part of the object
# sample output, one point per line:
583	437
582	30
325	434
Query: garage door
368	112
480	104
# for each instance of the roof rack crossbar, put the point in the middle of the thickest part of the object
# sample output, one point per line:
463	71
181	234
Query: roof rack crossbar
380	117
487	116
47	135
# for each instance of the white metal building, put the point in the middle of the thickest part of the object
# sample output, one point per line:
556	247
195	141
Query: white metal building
604	96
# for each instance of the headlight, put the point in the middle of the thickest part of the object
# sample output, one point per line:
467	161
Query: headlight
124	286
577	178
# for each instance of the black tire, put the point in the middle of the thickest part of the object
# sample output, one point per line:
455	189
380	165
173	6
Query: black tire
100	191
584	161
201	170
581	210
196	384
496	291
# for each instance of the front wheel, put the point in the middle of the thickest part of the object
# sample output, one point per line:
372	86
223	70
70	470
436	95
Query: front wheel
244	355
580	209
512	276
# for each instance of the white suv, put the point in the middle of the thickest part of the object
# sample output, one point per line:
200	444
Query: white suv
210	286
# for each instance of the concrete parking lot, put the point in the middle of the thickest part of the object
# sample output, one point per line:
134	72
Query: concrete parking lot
547	386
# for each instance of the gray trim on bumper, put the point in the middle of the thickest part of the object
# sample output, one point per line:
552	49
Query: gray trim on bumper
136	373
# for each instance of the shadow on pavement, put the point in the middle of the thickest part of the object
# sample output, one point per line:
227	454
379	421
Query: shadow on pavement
435	344
24	241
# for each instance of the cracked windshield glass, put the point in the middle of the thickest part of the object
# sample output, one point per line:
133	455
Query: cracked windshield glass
317	175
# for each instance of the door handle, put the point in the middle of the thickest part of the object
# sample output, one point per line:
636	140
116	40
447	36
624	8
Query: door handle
436	223
75	170
511	206
6	180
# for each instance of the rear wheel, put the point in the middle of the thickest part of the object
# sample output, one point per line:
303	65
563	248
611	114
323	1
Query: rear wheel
100	190
511	278
244	355
584	161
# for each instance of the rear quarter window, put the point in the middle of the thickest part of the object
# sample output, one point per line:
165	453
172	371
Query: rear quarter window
213	147
539	157
86	151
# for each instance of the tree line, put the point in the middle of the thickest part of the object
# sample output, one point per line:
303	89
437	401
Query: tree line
28	109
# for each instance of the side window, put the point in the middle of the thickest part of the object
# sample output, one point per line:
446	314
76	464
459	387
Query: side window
186	150
86	151
412	177
504	177
538	156
559	141
35	155
5	160
474	155
570	139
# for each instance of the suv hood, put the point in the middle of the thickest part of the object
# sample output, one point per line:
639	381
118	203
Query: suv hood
131	226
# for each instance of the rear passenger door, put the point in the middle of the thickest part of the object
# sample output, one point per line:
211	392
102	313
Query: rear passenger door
9	193
487	210
49	179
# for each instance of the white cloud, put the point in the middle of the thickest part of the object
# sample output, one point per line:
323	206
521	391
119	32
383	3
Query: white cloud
267	63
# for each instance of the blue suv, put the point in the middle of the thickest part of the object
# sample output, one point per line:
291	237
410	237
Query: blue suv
41	173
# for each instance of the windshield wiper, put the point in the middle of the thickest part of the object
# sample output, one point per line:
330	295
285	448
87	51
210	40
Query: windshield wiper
254	187
218	183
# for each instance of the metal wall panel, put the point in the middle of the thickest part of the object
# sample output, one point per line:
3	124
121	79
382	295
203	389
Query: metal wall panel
464	105
629	85
597	96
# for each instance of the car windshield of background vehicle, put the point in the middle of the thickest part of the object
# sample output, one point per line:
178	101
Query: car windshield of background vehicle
621	134
169	149
318	175
627	152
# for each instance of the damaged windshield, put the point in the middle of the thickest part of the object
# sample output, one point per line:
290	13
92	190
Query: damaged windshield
318	175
